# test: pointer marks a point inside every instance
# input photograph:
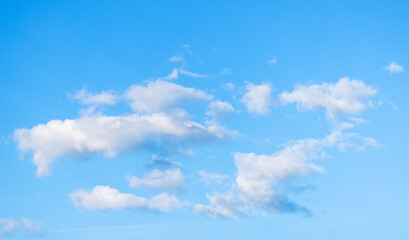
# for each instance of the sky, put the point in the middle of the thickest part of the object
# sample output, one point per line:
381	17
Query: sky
204	120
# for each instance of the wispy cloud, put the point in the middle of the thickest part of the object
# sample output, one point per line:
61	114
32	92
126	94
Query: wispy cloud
226	71
26	226
211	178
272	61
169	180
176	58
104	97
393	67
191	74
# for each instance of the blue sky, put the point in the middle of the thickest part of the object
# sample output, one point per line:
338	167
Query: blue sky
205	119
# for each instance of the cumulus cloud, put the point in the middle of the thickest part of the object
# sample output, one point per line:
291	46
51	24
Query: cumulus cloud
109	135
105	198
24	226
393	67
346	97
160	95
258	98
257	176
219	110
169	180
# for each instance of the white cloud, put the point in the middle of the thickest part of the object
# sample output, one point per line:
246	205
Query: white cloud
87	98
164	203
191	74
160	95
24	225
393	67
176	58
169	180
172	76
345	97
211	178
221	205
258	98
219	110
109	135
257	175
228	86
272	61
105	197
226	71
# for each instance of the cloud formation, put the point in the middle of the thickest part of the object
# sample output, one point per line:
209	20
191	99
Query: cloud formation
87	98
219	110
105	198
176	58
393	67
169	180
24	225
160	95
257	99
110	135
345	97
221	206
257	176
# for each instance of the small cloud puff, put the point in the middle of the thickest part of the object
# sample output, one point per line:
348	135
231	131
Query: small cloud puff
258	98
393	67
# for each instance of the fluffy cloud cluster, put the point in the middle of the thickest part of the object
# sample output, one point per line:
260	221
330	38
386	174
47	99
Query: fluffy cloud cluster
219	110
258	98
169	180
159	95
105	197
25	226
258	174
110	135
345	97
